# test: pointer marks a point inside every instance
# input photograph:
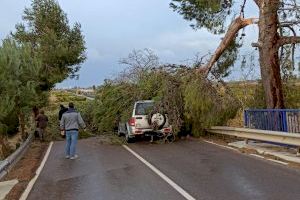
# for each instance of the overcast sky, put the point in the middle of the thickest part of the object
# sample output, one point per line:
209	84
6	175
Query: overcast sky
113	28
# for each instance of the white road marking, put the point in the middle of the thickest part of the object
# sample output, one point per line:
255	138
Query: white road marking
231	148
277	161
37	173
159	173
252	154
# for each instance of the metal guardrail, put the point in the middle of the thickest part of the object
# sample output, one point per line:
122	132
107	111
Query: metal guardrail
283	120
11	160
262	135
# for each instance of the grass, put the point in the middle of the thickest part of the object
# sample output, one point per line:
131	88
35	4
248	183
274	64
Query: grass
56	99
250	93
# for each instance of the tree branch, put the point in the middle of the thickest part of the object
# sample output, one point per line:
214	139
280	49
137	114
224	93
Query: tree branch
256	44
230	35
288	40
290	23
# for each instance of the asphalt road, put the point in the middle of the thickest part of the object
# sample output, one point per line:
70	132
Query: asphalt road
203	170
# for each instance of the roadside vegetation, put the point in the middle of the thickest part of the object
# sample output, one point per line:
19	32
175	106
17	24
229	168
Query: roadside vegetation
82	105
192	101
42	51
58	98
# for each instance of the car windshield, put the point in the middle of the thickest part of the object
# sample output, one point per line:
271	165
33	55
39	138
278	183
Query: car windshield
144	108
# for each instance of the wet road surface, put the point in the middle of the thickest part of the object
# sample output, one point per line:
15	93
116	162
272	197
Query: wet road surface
105	172
204	170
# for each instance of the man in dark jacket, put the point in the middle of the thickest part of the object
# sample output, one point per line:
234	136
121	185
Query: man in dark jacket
62	110
42	122
70	123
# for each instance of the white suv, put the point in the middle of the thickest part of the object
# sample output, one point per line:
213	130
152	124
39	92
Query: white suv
145	121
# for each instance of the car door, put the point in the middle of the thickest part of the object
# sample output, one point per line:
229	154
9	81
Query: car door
141	112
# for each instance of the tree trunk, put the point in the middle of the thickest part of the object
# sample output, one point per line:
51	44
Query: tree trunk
268	53
230	35
22	125
4	148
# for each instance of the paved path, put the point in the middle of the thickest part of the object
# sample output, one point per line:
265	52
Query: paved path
203	170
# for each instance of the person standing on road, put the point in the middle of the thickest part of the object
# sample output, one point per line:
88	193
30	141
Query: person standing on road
42	122
62	110
70	122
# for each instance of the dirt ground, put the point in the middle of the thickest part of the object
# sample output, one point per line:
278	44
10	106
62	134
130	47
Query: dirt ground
25	169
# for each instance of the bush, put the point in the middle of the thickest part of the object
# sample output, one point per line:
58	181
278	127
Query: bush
206	106
12	123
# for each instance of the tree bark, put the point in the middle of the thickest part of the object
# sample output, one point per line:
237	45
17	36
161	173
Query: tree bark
22	125
268	53
289	40
5	150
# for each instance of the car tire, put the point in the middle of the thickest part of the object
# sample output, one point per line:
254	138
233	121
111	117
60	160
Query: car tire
170	137
129	139
119	133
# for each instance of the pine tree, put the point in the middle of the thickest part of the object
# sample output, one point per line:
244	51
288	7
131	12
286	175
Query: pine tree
60	47
19	75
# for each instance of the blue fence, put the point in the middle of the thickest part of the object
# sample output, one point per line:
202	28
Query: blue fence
285	120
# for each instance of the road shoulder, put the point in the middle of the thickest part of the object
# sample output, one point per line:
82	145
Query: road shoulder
25	169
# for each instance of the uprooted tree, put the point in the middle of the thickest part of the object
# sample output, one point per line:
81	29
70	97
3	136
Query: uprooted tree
277	24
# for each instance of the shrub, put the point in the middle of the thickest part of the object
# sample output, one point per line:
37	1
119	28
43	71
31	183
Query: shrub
12	123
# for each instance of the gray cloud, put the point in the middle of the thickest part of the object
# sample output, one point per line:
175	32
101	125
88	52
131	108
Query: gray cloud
114	28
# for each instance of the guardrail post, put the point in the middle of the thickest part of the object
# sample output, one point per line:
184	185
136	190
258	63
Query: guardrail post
245	118
285	124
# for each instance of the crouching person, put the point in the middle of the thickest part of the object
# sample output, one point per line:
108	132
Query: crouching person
70	122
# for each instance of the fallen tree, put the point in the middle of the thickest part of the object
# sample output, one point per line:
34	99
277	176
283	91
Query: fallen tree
274	15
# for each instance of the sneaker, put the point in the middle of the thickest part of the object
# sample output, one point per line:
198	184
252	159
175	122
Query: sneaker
74	157
67	157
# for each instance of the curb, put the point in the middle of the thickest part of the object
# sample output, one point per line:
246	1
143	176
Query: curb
266	152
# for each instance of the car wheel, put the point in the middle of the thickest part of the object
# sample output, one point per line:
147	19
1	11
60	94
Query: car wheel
119	133
171	137
129	139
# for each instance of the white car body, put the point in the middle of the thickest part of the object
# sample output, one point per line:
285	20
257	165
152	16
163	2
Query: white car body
138	124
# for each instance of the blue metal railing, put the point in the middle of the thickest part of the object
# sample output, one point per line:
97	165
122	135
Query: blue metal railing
285	120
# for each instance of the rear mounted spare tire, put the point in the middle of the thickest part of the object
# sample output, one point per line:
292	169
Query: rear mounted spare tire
157	120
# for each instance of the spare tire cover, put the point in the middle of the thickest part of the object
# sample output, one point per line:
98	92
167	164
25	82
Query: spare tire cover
159	119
